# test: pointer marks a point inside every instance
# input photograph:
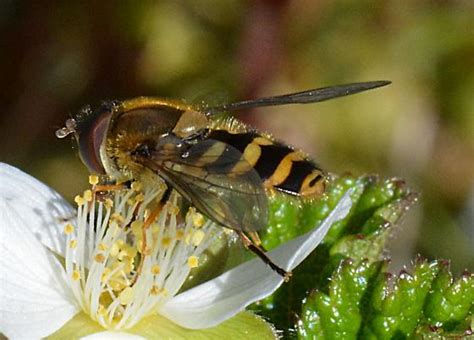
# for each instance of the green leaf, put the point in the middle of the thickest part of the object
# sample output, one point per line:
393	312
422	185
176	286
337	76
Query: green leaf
449	301
336	315
377	206
365	302
396	312
243	325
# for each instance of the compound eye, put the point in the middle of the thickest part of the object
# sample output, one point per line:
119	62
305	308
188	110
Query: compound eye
91	135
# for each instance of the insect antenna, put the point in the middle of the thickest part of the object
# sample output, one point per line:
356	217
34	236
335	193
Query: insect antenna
70	127
303	97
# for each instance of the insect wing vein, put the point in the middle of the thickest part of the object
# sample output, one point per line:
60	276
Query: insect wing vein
220	183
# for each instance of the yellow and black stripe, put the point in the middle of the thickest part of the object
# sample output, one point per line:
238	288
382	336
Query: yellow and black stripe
278	165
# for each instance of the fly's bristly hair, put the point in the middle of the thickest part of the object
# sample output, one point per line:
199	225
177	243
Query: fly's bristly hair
119	149
120	146
83	113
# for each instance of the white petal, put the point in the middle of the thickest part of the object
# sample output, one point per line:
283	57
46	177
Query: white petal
221	298
108	335
42	208
34	300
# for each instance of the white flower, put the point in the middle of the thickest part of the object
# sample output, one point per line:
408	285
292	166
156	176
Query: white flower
103	246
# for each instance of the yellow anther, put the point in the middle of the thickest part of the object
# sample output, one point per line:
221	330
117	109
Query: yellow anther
114	227
68	229
193	261
127	266
137	186
155	269
115	265
102	246
198	220
132	252
179	235
197	237
155	229
102	311
88	195
114	250
105	275
155	290
79	200
128	251
126	296
117	217
117	285
165	242
93	179
136	227
140	198
76	275
100	258
109	203
140	245
174	211
121	255
73	244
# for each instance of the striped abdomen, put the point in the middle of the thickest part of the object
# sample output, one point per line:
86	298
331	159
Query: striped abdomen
278	165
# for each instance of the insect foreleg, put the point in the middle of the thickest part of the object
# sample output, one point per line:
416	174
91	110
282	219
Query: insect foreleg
101	189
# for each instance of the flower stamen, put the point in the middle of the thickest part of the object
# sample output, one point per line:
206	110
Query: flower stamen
129	254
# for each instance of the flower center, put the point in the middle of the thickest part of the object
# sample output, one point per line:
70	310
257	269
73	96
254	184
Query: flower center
130	253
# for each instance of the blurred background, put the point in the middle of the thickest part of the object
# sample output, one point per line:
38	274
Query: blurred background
58	56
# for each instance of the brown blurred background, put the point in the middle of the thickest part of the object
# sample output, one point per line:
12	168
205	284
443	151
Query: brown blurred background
57	56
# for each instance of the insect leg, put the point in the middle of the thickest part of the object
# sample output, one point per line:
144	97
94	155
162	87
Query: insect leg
144	251
256	240
166	195
100	190
149	220
248	243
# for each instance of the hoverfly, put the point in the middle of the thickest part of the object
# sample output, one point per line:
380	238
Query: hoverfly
221	167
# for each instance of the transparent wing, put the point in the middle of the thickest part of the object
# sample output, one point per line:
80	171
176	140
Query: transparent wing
304	97
216	179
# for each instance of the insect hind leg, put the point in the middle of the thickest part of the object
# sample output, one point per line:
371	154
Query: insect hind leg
256	240
250	245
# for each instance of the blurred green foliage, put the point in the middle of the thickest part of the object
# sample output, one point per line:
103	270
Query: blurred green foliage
58	56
